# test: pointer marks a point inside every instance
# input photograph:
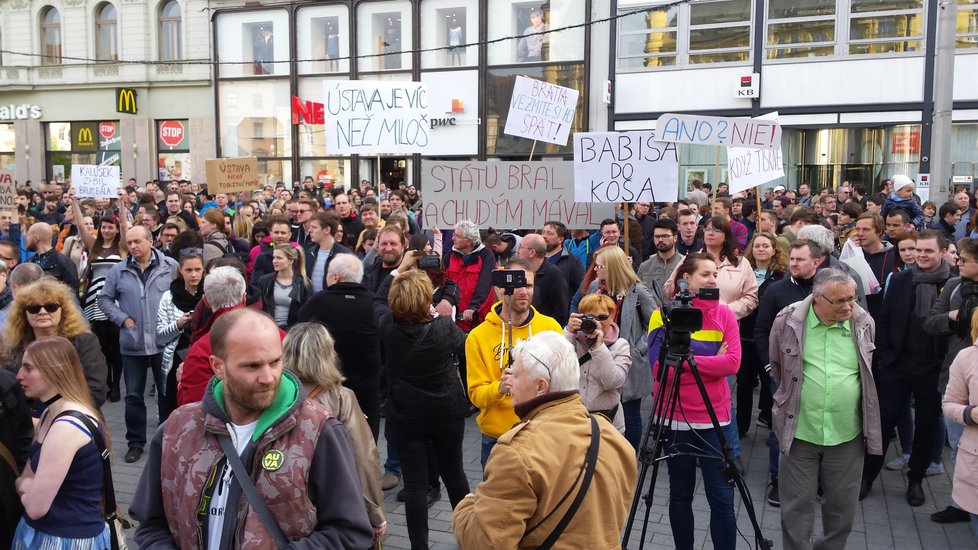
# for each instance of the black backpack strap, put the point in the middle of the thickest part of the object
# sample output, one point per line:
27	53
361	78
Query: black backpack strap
108	490
257	502
590	463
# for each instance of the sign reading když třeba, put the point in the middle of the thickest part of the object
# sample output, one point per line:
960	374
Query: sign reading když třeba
101	182
374	117
541	111
615	167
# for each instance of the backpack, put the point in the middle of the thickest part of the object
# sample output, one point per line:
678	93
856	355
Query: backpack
242	256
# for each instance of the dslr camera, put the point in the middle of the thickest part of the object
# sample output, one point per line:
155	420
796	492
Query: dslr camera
588	324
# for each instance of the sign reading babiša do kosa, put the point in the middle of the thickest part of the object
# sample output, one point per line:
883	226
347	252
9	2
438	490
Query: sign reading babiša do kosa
95	181
232	175
7	191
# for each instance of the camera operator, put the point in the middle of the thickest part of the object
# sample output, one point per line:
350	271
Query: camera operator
604	357
716	349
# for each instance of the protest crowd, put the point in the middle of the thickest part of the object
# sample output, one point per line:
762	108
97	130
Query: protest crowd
276	328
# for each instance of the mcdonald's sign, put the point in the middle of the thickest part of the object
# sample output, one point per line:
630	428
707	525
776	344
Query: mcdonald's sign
84	136
125	100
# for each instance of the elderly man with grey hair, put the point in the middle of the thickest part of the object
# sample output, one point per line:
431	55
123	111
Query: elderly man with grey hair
225	290
557	451
826	411
346	308
469	264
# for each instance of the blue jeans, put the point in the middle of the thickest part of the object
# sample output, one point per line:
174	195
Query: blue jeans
730	432
392	464
134	369
633	421
974	526
487	444
682	483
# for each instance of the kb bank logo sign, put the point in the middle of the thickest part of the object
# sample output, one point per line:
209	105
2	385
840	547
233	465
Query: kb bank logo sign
125	100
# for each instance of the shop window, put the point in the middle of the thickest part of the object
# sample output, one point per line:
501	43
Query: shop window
886	26
719	31
253	43
447	25
50	36
800	28
106	33
525	20
247	130
383	34
7	145
328	171
171	31
173	150
648	39
323	39
967	24
499	86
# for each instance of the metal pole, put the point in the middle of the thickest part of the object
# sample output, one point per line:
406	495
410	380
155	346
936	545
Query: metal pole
940	159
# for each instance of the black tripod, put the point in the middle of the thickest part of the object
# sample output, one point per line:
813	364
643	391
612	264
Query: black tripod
676	358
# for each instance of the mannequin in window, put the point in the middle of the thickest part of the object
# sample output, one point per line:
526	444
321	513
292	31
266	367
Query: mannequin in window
455	40
264	50
530	48
332	46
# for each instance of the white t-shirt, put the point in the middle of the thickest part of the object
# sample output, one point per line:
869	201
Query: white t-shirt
241	435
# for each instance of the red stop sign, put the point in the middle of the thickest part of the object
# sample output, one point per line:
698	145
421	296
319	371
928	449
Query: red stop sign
106	129
171	132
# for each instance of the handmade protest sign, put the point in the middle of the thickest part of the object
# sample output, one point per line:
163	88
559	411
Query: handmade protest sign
95	181
513	195
232	175
7	191
748	168
541	111
374	117
710	130
624	167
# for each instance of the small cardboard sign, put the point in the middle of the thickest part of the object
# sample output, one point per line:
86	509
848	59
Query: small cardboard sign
232	175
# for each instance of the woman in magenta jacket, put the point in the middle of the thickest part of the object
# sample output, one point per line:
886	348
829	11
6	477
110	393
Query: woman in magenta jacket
716	349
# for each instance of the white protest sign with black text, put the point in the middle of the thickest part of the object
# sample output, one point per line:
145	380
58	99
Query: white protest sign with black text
711	130
541	111
514	195
615	167
374	117
8	194
747	168
101	182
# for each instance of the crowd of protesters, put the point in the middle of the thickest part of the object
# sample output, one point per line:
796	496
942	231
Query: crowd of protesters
277	327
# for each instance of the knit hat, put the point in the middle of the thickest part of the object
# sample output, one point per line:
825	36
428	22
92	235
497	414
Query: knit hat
900	181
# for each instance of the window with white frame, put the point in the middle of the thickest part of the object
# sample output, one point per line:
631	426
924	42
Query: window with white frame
886	26
800	28
967	24
171	33
106	32
664	35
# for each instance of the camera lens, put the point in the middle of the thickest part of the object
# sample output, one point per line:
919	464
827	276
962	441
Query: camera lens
588	325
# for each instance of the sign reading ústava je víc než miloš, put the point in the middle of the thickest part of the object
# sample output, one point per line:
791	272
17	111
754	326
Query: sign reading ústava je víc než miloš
375	117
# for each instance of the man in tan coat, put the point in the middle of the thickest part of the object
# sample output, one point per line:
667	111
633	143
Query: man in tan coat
535	471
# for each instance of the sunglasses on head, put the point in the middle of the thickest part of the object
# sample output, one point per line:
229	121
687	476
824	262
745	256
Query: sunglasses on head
34	309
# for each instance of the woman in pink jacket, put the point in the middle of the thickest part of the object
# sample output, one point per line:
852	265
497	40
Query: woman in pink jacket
961	406
716	348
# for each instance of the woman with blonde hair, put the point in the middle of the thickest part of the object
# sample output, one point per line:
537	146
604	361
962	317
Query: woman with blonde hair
61	488
309	351
634	304
285	290
47	308
241	228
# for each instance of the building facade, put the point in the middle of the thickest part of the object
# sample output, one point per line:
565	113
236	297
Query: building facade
852	80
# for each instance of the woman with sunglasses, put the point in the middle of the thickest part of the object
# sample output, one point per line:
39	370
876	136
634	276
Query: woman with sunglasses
47	308
105	249
605	358
61	488
692	440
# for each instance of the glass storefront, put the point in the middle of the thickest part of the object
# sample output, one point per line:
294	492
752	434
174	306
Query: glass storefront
173	150
7	145
70	143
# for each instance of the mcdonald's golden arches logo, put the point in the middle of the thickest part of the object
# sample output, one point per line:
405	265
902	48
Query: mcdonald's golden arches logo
125	100
85	137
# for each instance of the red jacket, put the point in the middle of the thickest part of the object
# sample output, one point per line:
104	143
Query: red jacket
473	275
197	371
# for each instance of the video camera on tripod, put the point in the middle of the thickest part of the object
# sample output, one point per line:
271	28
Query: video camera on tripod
681	318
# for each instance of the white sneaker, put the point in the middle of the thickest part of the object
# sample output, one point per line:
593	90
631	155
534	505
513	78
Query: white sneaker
898	463
935	469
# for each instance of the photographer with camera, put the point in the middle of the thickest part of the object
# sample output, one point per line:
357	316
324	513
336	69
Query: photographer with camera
604	357
692	439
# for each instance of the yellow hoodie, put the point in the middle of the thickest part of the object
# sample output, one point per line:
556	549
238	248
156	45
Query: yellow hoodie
485	361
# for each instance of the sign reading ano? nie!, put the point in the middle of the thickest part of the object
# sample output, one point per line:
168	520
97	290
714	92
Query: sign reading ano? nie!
514	195
232	175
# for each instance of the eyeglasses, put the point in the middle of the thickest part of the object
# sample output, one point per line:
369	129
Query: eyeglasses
963	260
848	300
663	237
604	317
711	230
34	309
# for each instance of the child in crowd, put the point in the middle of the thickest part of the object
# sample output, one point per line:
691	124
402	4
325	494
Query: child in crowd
904	199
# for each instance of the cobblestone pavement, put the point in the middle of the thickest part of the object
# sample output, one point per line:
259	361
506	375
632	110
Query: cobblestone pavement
883	521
